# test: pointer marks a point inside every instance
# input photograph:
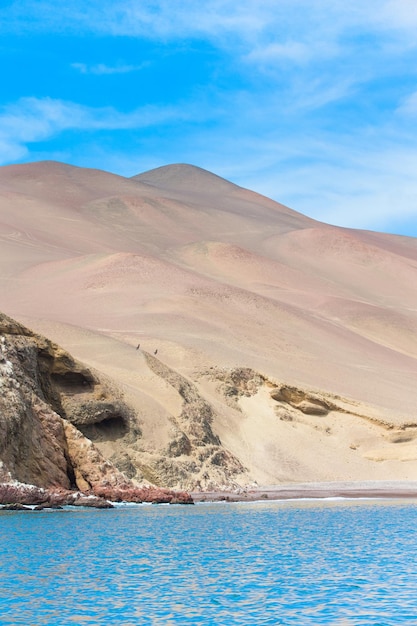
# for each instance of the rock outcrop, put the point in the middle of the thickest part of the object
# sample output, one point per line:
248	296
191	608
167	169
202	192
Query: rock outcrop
15	493
194	455
47	398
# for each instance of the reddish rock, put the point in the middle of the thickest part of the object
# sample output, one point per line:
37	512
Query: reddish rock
92	501
100	497
129	493
19	493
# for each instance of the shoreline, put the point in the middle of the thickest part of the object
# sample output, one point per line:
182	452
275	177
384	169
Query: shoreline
358	490
312	491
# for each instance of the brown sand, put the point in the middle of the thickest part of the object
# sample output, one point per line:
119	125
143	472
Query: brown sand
317	491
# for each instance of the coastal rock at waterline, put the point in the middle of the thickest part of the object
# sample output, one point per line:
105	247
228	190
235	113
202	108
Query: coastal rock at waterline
91	501
157	495
15	507
18	495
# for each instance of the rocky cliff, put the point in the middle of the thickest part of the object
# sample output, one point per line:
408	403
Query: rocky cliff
46	400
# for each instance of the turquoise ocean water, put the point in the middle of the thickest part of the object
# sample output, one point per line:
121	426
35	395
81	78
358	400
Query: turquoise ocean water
304	563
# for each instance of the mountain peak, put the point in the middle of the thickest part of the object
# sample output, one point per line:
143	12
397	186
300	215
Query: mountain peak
185	177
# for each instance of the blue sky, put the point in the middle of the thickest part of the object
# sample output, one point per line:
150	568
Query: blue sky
310	102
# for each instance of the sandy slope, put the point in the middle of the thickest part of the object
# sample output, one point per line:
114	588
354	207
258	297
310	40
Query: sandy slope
213	275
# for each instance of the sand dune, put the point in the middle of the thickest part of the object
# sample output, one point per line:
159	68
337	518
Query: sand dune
216	276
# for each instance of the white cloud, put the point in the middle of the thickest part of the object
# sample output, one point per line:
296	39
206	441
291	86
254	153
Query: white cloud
149	18
265	34
400	14
408	106
372	187
101	69
39	119
291	50
246	20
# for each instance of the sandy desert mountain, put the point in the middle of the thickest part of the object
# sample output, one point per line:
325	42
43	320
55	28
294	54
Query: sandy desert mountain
273	348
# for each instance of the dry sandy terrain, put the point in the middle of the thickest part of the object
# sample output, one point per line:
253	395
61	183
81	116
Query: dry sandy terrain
218	279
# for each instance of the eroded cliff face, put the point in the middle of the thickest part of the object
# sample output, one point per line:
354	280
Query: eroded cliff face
194	457
45	394
286	433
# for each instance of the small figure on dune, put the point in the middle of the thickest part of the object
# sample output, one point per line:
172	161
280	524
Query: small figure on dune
138	346
156	352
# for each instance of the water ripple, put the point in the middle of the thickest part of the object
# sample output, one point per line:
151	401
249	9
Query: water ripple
341	564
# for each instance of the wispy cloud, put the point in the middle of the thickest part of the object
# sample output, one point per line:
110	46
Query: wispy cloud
398	14
101	69
247	20
39	119
149	18
352	181
408	105
246	16
265	34
291	50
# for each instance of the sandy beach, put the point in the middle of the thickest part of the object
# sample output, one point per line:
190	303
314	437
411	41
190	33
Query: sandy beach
367	489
